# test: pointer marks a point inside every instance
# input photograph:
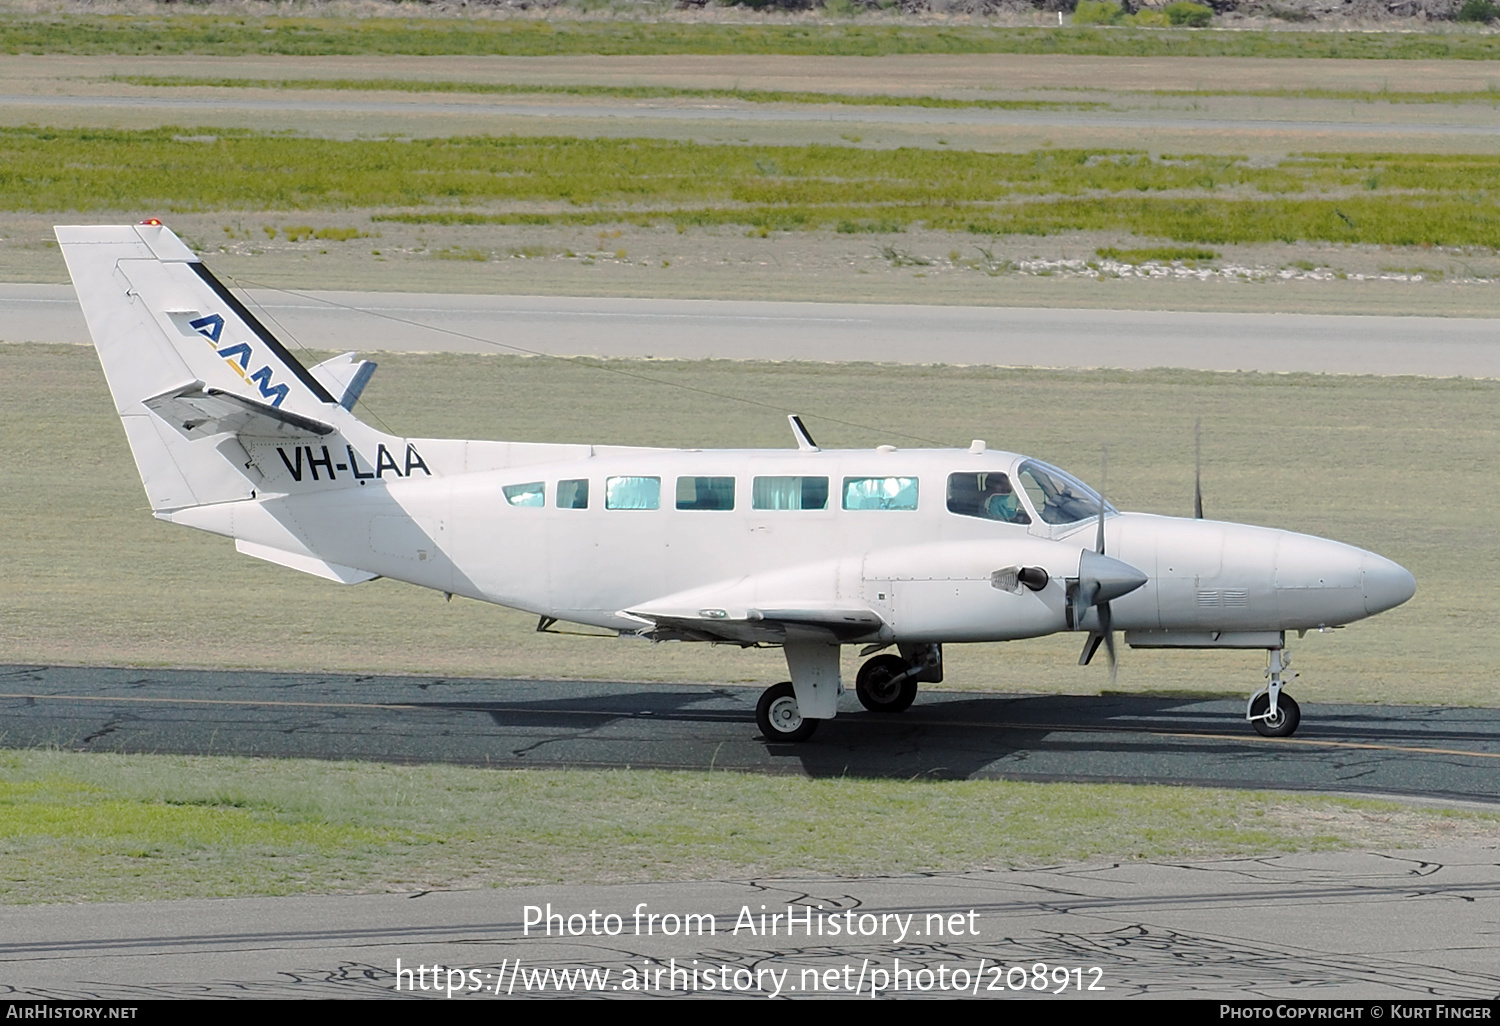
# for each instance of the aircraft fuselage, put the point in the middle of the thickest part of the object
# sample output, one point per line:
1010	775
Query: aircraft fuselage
927	571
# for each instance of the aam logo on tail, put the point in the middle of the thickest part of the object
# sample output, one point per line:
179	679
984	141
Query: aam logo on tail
238	357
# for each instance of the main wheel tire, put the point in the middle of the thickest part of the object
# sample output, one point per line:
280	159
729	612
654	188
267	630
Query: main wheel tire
879	691
779	719
1284	723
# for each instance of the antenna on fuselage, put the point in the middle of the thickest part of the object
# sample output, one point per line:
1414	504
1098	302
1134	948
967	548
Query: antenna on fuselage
1198	468
805	441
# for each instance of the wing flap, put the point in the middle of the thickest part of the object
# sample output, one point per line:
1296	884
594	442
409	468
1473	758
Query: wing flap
768	626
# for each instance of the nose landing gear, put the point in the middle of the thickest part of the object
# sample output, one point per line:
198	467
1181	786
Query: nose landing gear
1270	712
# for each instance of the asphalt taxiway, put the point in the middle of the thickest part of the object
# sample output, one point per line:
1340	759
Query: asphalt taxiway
1431	752
881	333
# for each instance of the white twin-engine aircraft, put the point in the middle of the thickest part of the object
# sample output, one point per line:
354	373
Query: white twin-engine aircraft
806	549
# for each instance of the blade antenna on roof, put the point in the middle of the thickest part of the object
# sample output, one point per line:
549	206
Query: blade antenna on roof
1198	468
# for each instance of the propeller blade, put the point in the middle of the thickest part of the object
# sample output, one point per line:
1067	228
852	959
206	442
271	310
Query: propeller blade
1198	468
1106	626
1090	646
1100	579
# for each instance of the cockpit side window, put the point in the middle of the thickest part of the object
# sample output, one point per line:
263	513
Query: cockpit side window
1059	497
988	496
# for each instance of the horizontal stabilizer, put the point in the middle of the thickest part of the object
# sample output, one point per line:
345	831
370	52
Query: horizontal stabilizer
198	412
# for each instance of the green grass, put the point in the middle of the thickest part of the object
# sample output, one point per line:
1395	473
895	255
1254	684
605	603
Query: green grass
1384	199
408	85
100	827
92	578
238	35
1405	221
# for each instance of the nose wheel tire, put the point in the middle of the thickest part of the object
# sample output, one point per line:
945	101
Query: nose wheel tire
779	719
878	689
1283	724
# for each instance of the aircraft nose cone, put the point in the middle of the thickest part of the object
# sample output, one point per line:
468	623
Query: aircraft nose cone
1386	584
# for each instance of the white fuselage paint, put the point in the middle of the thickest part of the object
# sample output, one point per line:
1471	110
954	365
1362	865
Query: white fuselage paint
926	572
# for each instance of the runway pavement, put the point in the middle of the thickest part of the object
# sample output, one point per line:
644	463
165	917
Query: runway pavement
691	329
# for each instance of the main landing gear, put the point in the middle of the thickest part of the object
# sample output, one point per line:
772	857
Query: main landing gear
1270	712
884	684
779	719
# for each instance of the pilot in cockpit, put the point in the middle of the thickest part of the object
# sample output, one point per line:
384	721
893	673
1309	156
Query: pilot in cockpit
999	501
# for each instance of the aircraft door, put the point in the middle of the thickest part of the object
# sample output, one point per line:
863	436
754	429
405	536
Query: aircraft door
575	558
788	513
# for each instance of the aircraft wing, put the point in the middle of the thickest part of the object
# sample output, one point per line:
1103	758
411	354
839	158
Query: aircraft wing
198	412
750	626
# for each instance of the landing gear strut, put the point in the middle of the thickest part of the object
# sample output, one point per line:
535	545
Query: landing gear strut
790	711
1270	712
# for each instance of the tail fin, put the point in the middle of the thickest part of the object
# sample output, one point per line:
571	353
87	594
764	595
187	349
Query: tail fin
185	361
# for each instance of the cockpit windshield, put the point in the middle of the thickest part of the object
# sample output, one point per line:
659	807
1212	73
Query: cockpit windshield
1059	497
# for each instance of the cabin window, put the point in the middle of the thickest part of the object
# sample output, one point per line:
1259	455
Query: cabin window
790	493
705	493
573	494
530	494
880	493
988	496
1058	497
632	493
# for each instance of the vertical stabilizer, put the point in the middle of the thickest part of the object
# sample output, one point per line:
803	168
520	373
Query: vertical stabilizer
164	326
